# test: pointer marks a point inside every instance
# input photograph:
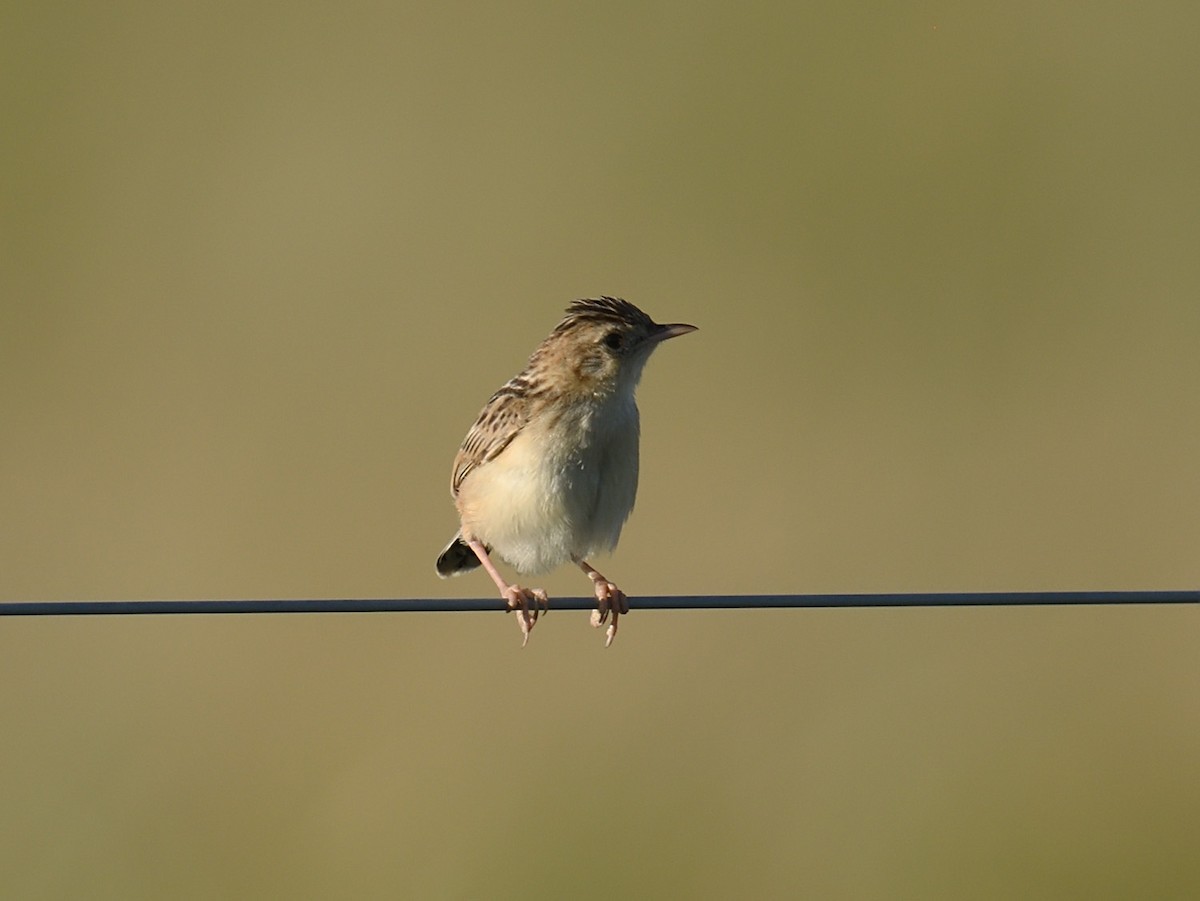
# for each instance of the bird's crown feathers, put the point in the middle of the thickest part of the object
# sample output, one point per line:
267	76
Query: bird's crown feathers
603	309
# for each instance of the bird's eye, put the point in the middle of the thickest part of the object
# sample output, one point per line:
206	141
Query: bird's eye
614	340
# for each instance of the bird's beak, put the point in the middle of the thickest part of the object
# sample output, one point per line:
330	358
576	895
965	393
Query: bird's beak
671	330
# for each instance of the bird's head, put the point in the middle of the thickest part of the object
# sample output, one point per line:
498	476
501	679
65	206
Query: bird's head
603	343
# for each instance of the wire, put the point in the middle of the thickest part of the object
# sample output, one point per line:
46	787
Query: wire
659	602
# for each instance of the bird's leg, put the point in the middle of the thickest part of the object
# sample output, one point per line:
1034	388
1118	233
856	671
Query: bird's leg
514	596
609	599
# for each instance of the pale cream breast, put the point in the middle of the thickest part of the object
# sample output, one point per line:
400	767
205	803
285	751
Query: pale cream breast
563	487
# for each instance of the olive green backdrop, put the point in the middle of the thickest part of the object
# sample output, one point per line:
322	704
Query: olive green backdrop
262	263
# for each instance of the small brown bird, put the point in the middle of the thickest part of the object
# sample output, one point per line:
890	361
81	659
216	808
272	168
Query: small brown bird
548	473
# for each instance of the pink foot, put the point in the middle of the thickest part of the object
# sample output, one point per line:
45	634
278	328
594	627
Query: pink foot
519	599
609	599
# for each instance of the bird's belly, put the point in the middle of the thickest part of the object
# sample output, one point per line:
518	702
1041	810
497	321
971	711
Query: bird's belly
537	505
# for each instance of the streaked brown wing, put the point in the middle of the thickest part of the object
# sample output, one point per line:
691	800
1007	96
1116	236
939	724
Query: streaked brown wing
498	423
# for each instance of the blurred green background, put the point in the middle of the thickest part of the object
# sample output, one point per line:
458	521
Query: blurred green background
263	263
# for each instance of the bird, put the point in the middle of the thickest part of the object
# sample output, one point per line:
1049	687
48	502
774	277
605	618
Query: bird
548	473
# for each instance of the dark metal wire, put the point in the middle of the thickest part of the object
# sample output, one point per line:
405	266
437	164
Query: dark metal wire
659	602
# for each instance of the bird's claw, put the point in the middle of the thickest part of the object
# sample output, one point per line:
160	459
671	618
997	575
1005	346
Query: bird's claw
609	599
518	599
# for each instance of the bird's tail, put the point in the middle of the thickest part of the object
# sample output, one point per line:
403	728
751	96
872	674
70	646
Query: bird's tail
456	558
